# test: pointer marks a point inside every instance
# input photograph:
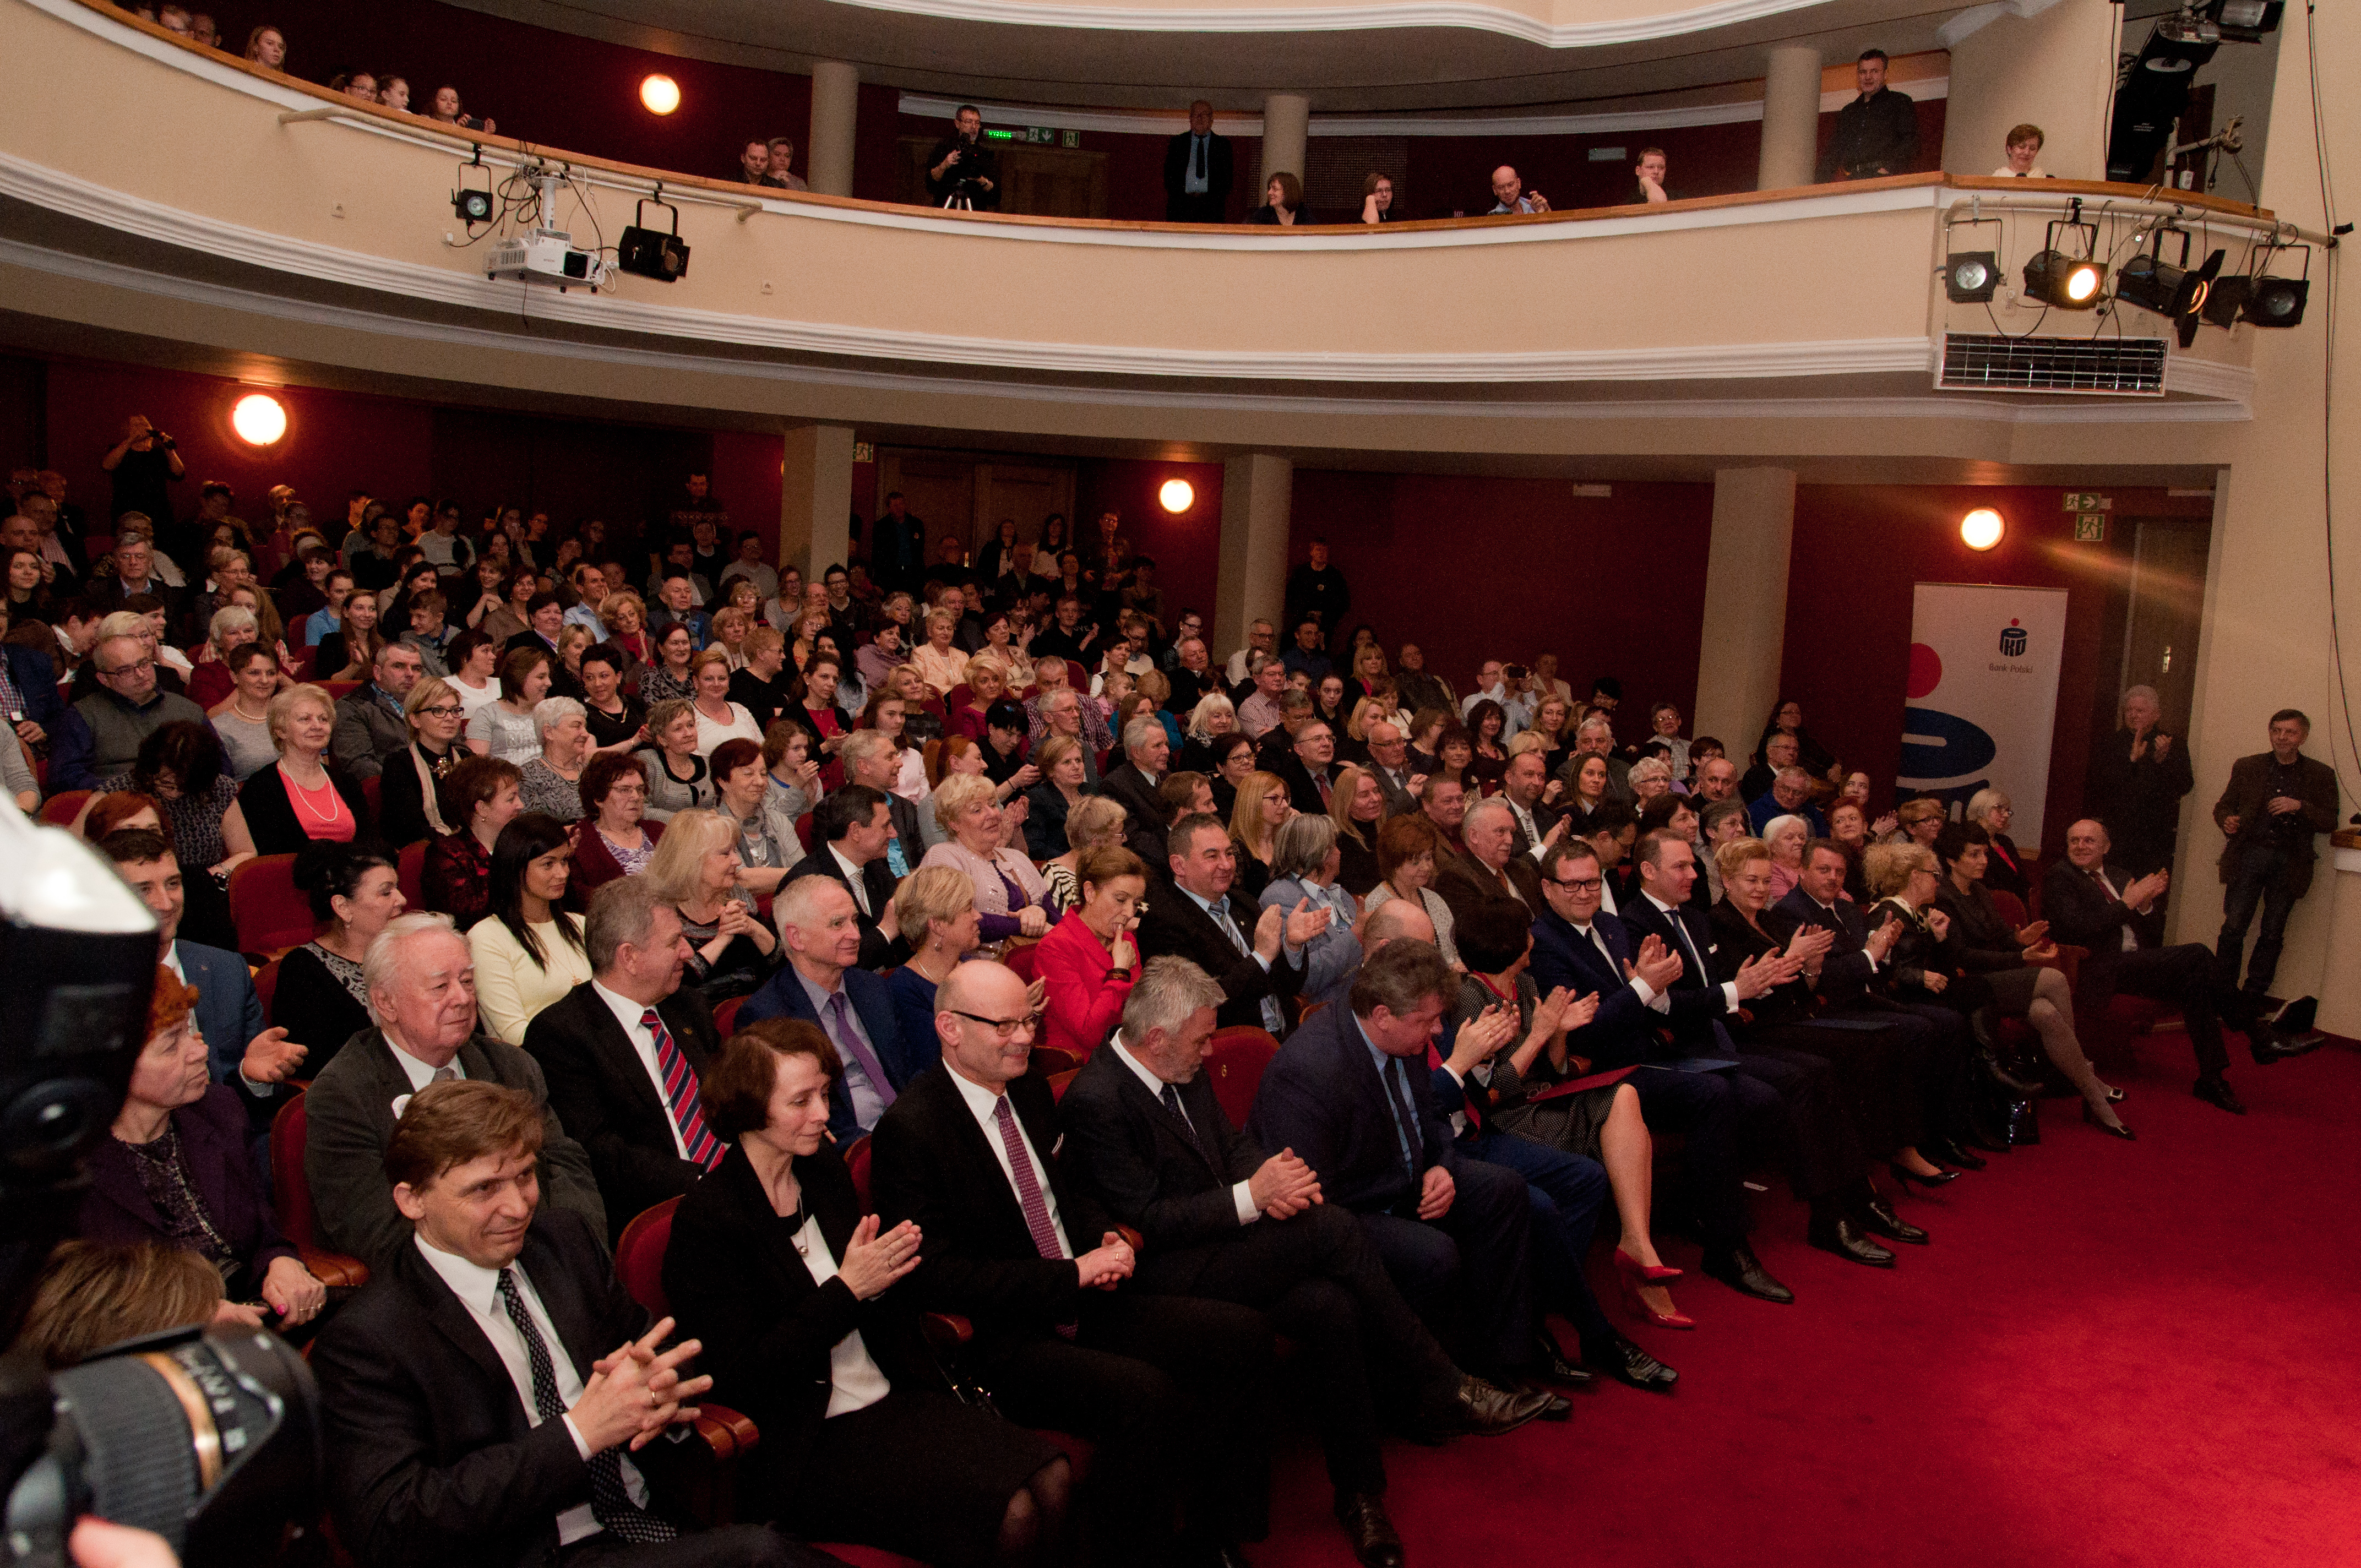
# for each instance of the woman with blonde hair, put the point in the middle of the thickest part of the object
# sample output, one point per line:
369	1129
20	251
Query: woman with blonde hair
987	681
696	870
1010	896
941	665
678	777
934	910
1357	805
408	806
718	717
305	796
625	616
1095	823
1254	824
1214	715
1917	822
1368	669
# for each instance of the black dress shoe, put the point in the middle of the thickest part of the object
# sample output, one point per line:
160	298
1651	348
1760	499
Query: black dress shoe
1839	1235
1627	1364
2270	1047
1908	1178
2215	1091
1375	1545
1878	1218
1559	1408
1743	1272
1550	1365
1488	1411
1945	1151
2116	1131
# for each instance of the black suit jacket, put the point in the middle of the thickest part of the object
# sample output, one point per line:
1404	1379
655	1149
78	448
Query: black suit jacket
1144	831
1302	789
878	951
1219	175
736	1283
2083	913
430	1457
1124	1145
1625	1031
1698	1001
1847	974
606	1098
1174	924
1464	885
930	1163
1321	1096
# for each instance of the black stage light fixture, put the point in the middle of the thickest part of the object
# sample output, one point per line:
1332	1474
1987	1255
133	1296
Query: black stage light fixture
2153	89
2244	21
1971	276
2257	298
2068	282
2277	302
654	253
2175	291
473	205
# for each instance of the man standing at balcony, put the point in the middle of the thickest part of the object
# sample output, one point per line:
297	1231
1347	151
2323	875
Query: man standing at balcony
1877	133
962	171
1197	170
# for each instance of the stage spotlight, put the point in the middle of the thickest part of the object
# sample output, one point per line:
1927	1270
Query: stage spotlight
473	204
1177	496
652	253
660	93
1971	276
259	419
1982	529
2257	298
2277	302
2155	284
2068	282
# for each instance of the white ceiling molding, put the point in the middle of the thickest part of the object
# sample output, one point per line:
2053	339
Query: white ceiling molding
1156	123
1347	19
1977	18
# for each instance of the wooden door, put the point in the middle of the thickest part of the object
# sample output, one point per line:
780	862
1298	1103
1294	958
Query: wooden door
1026	492
1053	182
939	486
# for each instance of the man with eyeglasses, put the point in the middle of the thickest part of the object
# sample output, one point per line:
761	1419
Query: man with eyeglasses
101	734
1168	1387
1724	1116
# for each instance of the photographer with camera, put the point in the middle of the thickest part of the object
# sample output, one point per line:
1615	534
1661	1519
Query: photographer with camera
962	171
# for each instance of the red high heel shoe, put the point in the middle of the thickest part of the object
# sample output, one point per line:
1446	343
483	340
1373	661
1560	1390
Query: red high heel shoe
1630	1274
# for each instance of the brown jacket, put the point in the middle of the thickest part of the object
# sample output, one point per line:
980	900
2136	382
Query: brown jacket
2247	796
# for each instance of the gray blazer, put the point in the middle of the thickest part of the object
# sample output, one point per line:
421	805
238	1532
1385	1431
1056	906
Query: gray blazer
366	734
349	1116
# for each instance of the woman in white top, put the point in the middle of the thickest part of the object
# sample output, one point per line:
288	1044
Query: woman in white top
942	665
506	728
473	657
718	718
528	950
2024	146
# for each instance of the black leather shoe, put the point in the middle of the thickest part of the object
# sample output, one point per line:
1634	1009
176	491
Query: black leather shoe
1945	1151
1559	1408
1839	1235
1627	1364
2118	1131
2271	1047
1743	1272
1878	1218
1909	1177
2215	1091
1375	1545
1488	1411
1550	1365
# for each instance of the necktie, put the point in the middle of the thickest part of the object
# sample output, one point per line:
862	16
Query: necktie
1398	1099
1599	942
610	1501
680	1095
1273	1019
1199	142
1172	1102
849	1041
447	1073
1326	790
1688	949
1028	1190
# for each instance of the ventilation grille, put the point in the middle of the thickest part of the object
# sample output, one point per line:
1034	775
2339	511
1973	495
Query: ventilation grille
1988	362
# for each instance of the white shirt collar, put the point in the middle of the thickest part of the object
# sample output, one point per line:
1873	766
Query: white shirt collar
627	1012
1156	1085
476	1287
981	1102
419	1073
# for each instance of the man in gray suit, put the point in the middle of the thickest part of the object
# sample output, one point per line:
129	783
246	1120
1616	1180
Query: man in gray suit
1389	765
369	723
421	987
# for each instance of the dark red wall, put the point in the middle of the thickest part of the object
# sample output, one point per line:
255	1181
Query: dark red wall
1859	549
1187	548
1479	568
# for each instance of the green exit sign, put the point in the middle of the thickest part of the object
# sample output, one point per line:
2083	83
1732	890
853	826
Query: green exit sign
2085	501
1000	136
2090	527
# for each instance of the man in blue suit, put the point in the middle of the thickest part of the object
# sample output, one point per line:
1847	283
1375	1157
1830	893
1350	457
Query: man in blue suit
248	1054
821	984
34	680
1349	1094
1725	1116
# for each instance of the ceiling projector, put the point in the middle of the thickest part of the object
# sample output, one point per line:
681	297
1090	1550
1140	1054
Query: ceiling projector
546	256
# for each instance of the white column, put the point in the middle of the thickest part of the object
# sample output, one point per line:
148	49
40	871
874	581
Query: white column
1285	124
815	497
835	107
1745	601
1256	491
1791	118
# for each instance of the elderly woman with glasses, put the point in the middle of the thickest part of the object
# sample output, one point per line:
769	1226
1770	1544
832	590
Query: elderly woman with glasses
409	808
2005	865
614	837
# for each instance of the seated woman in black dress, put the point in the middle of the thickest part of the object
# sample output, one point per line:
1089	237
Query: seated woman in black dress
322	1001
789	1286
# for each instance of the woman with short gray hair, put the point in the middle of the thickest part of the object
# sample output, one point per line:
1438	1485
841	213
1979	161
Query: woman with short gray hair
552	782
1304	861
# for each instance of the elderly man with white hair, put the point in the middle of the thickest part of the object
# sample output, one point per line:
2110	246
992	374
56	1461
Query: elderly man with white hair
1790	795
421	980
1490	831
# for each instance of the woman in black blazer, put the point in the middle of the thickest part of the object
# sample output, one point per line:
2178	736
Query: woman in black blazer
862	1441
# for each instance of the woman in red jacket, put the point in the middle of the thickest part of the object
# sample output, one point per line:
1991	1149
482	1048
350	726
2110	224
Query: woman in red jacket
1088	960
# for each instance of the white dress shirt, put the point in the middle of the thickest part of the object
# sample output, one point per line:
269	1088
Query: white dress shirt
629	1014
1241	1193
984	1105
479	1289
855	1381
1686	945
854	880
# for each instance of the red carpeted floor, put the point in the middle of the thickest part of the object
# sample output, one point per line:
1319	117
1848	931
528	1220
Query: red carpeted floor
2138	1353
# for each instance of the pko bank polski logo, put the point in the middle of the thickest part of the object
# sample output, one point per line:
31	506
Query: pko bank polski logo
2012	641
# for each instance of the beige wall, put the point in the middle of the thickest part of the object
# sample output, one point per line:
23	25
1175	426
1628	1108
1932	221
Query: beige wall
2053	70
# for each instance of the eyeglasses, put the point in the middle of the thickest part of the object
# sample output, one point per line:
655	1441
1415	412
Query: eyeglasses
1583	884
1002	1028
443	710
140	667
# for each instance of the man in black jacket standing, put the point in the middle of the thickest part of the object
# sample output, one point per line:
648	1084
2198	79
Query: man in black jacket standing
1877	133
2275	802
1197	170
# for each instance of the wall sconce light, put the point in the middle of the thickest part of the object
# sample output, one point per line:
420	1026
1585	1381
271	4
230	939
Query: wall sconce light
1982	529
660	93
1177	496
258	419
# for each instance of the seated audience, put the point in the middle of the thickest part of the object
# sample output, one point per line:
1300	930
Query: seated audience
1358	811
2006	866
937	905
421	997
694	871
617	718
1169	1388
1490	870
99	736
1010	896
92	1295
1148	753
1095	823
1510	195
180	769
304	797
505	729
1407	857
242	719
1262	804
613	837
1049	801
718	717
479	798
1790	794
819	983
678	778
1196	920
1089	960
409	807
1282	201
370	723
433	1439
808	1330
321	999
528	948
1304	865
743	785
1786	837
1919	822
851	831
1648	179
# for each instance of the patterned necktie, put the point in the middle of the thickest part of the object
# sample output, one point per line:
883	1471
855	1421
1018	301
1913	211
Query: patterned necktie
447	1073
1171	1098
1028	1190
1273	1020
1327	790
849	1041
680	1095
1399	1099
611	1501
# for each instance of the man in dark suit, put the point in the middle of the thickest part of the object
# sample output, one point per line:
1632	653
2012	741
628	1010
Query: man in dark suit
1492	869
1726	1116
1522	788
819	983
1197	170
623	1053
1196	922
1146	752
1349	1094
1146	1136
35	680
1310	767
850	831
1824	1154
1168	1387
425	1034
479	1408
2097	906
2274	805
1390	761
873	760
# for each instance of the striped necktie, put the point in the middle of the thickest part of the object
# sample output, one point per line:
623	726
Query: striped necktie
680	1095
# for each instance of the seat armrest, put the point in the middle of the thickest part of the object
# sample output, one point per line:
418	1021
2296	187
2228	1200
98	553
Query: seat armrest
724	1431
334	1269
947	1331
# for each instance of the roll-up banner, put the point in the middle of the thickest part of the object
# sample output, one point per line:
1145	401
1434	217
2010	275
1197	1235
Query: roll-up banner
1983	696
